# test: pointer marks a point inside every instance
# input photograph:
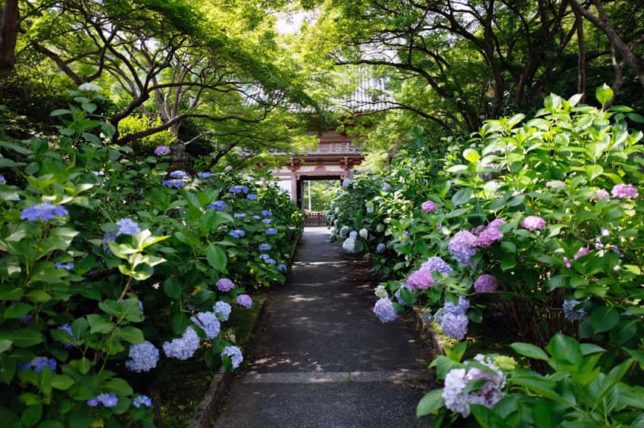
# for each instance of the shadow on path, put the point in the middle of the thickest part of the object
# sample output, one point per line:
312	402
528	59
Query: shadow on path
322	358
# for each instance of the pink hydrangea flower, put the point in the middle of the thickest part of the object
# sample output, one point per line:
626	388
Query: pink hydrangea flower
601	195
428	207
420	279
533	223
624	191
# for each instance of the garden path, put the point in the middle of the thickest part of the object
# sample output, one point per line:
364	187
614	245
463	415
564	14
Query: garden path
323	359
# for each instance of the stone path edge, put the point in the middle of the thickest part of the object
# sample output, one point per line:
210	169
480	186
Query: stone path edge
206	412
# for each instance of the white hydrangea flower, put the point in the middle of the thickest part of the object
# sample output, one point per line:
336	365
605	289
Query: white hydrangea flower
364	233
380	291
90	87
349	245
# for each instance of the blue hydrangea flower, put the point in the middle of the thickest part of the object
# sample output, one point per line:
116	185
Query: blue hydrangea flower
282	268
126	226
251	196
225	285
67	328
208	322
266	213
235	355
270	261
107	399
437	264
238	189
2	179
453	318
39	363
182	347
265	247
204	175
380	249
271	231
142	400
25	319
256	217
239	215
143	357
267	221
570	311
384	310
45	212
237	233
178	174
64	266
222	310
173	184
218	206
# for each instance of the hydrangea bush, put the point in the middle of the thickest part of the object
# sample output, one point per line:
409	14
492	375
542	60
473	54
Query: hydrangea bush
537	222
112	263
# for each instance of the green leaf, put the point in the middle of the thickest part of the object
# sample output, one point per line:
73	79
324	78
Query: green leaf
120	386
130	334
543	415
565	349
22	337
430	403
98	324
603	319
604	94
62	382
462	197
172	288
5	344
471	155
529	350
593	171
31	416
216	258
17	310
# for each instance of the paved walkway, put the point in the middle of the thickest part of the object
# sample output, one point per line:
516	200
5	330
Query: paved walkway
322	358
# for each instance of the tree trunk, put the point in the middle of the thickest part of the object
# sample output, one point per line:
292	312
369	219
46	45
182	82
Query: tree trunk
8	35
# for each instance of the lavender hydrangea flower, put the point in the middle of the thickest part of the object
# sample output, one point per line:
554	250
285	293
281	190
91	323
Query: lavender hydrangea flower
265	247
45	212
222	310
384	310
208	322
624	191
485	284
380	249
458	399
437	264
266	213
143	357
162	150
601	195
173	184
282	268
237	233
463	246
428	207
421	279
239	215
271	231
108	399
126	226
571	313
182	347
235	355
142	400
244	300
204	175
490	234
64	266
218	206
225	285
251	196
178	174
267	220
533	223
453	319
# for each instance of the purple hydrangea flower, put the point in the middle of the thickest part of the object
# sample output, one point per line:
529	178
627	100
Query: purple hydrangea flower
142	400
143	357
178	174
237	233
244	300
490	234
173	184
601	195
485	284
571	313
222	310
265	247
208	322
45	212
225	285
624	191
421	279
267	221
282	268
533	223
182	347
204	175
266	213
235	355
428	207
162	150
218	206
384	310
92	402
463	246
271	231
437	264
64	266
453	318
251	196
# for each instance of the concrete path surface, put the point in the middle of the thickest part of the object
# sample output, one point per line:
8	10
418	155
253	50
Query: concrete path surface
322	358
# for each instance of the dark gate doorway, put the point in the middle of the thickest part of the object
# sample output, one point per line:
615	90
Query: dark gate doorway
314	193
